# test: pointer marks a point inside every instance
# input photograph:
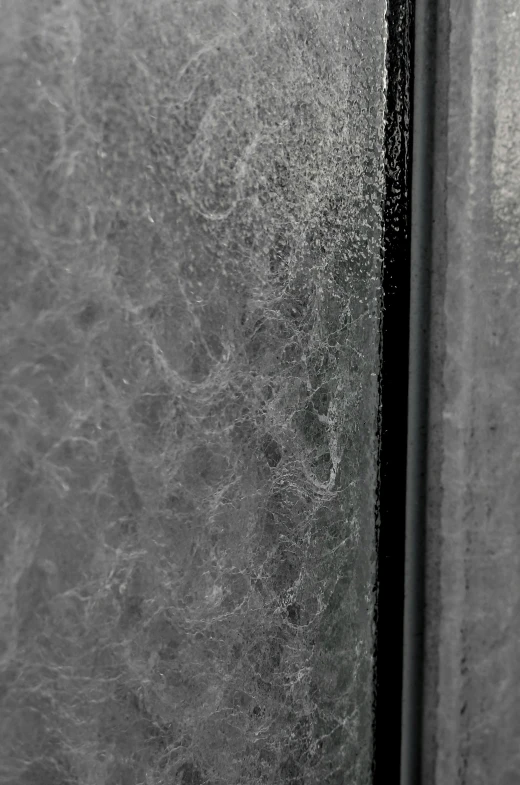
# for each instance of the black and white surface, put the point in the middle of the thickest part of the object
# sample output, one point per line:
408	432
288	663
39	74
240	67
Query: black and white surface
191	210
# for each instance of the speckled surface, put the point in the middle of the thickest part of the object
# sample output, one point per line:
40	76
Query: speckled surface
190	216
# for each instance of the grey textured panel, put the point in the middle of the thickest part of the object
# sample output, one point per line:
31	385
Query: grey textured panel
191	217
472	712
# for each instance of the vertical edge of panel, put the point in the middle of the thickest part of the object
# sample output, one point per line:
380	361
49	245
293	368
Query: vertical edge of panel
427	123
393	391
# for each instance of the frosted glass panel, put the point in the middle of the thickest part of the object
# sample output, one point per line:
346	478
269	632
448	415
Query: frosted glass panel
191	208
472	713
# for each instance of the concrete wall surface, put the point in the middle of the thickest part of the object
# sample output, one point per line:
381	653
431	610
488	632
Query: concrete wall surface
471	729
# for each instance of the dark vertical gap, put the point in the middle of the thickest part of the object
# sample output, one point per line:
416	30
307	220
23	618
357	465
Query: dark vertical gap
427	123
393	391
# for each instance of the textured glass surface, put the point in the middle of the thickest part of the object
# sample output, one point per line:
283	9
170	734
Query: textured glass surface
190	206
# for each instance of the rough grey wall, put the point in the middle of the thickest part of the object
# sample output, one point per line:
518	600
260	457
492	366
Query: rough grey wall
472	711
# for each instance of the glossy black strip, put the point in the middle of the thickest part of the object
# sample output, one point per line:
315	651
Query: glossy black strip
393	413
427	119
